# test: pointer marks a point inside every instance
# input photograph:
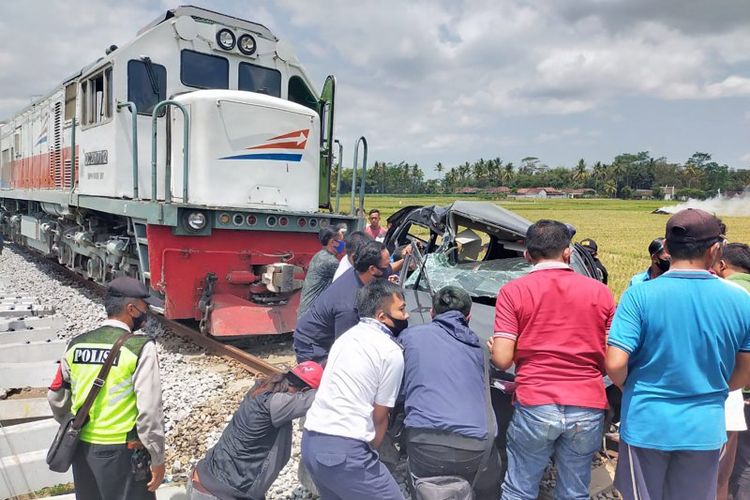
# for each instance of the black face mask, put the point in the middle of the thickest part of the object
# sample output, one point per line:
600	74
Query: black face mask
663	264
399	325
139	321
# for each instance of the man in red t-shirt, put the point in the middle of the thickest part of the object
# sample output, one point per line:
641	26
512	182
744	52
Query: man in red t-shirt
552	323
375	230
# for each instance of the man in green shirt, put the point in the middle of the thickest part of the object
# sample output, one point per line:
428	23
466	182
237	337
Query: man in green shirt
734	266
322	267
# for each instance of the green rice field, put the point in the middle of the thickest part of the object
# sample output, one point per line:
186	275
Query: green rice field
622	228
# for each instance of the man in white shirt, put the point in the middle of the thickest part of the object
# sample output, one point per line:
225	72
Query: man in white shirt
349	417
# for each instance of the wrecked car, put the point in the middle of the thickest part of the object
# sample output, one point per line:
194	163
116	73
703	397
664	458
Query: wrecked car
476	245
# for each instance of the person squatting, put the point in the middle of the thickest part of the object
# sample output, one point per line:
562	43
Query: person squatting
678	360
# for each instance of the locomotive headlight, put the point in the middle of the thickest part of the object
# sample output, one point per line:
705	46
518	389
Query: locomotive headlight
196	221
225	38
247	45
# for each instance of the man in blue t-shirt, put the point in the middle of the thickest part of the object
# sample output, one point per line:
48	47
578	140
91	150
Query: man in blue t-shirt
677	345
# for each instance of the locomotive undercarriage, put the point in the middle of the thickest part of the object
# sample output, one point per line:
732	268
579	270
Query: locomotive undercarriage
96	245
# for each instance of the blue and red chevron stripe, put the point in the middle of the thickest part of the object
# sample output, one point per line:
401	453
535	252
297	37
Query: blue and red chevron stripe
286	147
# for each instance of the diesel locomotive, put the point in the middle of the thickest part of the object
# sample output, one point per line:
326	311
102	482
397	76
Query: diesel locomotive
196	157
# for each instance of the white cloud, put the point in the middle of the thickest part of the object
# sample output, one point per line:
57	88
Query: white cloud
445	76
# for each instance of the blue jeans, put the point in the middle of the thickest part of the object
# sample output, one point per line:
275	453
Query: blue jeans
569	433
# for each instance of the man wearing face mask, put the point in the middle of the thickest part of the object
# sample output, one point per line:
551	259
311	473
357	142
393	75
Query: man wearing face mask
349	417
126	422
660	262
322	267
335	310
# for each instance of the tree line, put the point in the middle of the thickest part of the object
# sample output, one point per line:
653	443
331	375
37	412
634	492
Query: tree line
698	177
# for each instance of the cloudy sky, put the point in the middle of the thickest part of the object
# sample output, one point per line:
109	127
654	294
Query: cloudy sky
451	81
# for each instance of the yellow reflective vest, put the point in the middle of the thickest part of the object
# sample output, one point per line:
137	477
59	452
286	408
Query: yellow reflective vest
113	415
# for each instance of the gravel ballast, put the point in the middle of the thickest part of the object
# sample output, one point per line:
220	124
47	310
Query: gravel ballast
200	391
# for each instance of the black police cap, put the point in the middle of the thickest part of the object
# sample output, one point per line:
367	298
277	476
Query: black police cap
132	288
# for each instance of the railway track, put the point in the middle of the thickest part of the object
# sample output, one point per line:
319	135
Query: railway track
249	362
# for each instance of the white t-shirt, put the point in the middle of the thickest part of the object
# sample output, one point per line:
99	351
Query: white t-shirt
734	411
364	368
344	266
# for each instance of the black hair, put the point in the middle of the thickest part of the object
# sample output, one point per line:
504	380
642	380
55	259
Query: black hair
327	234
354	239
373	211
375	296
656	246
451	298
690	250
546	239
367	254
737	255
270	384
115	305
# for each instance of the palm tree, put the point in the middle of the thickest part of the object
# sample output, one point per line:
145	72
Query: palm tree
610	188
580	172
507	175
439	168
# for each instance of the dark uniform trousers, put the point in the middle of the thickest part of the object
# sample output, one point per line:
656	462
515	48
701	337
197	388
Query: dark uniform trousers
436	453
103	472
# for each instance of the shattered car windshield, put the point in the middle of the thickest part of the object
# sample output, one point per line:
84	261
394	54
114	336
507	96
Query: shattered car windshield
480	279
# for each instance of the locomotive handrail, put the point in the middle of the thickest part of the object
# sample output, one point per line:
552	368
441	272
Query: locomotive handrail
338	174
134	119
185	155
364	175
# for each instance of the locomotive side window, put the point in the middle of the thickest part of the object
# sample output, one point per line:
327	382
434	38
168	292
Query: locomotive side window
259	79
300	93
147	84
71	91
203	71
97	97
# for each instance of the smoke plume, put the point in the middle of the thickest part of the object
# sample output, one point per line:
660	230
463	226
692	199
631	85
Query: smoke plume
736	206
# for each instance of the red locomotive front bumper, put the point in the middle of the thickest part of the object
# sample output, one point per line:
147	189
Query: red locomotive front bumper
240	304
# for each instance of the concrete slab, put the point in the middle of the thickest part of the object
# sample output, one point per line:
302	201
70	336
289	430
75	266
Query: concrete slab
29	323
34	351
27	336
20	409
15	311
35	374
28	472
166	492
28	437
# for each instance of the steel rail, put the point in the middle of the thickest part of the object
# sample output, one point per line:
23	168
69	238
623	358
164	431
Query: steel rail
249	362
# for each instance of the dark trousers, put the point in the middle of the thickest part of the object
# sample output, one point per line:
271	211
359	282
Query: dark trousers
345	469
646	474
739	484
442	458
103	472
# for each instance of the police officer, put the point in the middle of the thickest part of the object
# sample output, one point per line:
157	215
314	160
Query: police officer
125	429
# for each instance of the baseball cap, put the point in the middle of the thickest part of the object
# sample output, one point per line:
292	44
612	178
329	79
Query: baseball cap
132	288
692	225
308	373
590	244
